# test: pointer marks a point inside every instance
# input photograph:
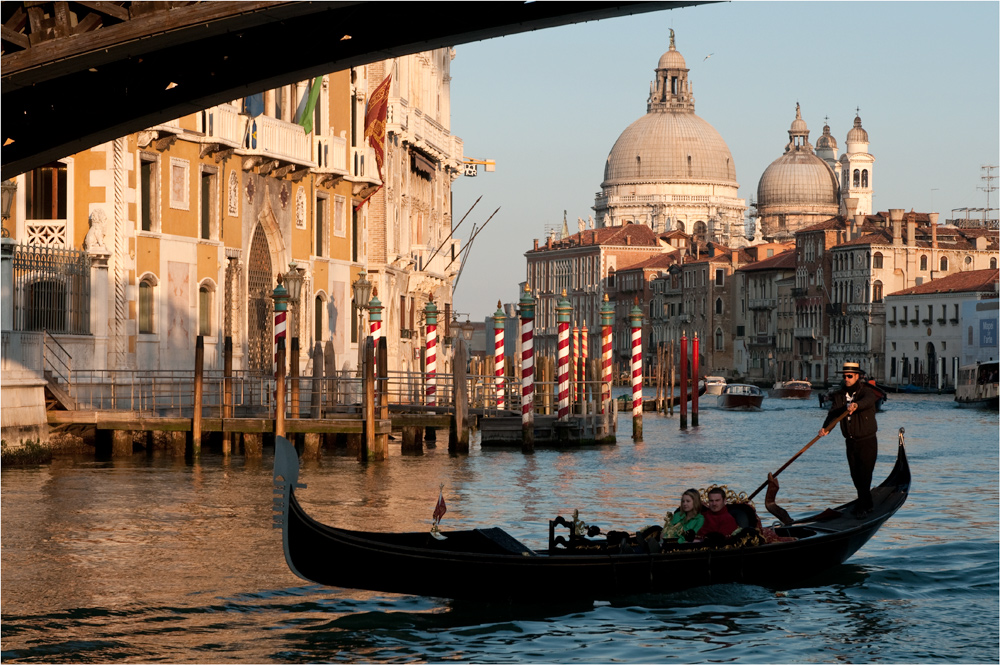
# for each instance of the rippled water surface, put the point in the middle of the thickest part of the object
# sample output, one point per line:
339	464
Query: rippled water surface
160	560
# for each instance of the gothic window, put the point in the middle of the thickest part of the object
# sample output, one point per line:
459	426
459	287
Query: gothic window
864	178
718	339
718	305
877	260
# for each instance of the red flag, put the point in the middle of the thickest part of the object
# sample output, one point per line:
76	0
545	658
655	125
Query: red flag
375	113
440	509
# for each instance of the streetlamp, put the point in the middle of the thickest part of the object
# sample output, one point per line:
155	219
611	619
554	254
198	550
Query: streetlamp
7	191
362	290
294	279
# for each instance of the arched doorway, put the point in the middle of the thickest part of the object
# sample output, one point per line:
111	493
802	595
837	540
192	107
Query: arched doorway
260	304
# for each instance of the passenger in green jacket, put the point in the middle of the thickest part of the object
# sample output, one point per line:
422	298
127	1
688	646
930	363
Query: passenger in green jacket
687	519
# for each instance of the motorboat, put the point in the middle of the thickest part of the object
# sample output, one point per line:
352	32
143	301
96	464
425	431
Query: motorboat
977	385
741	397
794	389
714	385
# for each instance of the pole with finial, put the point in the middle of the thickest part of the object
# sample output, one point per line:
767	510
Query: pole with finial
635	318
499	321
563	310
527	312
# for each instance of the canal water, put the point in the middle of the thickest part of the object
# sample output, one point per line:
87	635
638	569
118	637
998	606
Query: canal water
154	559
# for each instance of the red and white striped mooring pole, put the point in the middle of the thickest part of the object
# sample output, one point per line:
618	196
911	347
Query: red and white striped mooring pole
527	312
635	318
499	321
563	310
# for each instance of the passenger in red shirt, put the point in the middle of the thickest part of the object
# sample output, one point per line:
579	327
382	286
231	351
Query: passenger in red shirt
717	518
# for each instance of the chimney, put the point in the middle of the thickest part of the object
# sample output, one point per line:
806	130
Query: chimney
628	240
911	230
548	243
896	220
536	243
736	257
859	222
850	207
711	251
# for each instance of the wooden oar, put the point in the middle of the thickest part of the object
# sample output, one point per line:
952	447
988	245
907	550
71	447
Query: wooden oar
796	456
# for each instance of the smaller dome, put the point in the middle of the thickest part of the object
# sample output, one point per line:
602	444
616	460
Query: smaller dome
857	133
672	59
826	141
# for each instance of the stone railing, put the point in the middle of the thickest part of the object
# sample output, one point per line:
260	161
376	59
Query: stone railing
225	124
330	154
277	139
649	199
22	351
807	332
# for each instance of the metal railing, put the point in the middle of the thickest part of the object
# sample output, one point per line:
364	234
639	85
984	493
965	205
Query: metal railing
51	289
57	363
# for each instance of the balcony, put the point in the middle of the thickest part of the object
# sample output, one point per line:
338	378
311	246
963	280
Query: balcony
224	125
684	318
858	308
800	292
807	333
362	167
761	340
763	303
273	139
836	309
330	154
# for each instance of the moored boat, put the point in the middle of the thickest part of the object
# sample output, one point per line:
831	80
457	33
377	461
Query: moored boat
490	565
714	385
741	397
794	389
977	385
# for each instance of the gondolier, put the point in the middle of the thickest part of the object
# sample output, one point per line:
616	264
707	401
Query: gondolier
859	400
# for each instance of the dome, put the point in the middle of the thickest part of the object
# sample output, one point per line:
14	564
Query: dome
857	133
672	59
826	141
677	146
797	179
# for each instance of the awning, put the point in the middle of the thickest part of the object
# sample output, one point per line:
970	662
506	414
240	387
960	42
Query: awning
422	165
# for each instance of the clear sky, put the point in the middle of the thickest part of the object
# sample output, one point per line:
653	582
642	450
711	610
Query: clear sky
549	105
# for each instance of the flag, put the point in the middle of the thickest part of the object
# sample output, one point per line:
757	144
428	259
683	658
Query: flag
306	120
375	113
253	105
440	509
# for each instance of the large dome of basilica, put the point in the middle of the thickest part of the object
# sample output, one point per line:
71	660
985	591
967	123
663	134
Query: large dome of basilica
670	147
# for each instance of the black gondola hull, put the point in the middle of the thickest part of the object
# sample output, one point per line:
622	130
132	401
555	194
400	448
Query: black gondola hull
471	565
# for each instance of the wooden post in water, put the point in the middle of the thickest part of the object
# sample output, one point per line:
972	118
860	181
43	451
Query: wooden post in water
279	390
368	401
684	380
311	443
332	387
672	383
294	376
635	319
527	313
458	439
199	391
694	378
382	358
227	391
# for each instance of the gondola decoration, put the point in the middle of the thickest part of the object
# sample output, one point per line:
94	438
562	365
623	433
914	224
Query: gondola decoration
439	510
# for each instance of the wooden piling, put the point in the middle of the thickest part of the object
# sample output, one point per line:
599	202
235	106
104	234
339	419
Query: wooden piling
670	362
279	390
458	435
253	445
332	393
227	391
310	445
684	381
294	378
382	404
368	401
199	389
316	388
694	379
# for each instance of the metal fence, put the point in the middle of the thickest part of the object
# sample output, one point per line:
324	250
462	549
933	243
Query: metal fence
51	289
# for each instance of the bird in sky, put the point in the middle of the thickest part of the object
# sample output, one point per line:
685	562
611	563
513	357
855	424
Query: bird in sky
708	56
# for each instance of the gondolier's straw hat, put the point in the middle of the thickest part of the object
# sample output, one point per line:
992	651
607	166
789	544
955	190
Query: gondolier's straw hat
851	368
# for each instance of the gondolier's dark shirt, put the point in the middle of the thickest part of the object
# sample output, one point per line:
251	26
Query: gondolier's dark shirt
861	423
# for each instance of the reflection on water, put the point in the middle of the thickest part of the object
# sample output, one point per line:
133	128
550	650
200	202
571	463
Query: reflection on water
155	559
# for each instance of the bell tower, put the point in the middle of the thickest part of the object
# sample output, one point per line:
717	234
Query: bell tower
856	171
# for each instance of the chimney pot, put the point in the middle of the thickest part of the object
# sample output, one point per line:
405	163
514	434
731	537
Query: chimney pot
536	243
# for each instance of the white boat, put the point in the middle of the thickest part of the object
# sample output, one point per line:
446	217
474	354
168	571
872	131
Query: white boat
977	385
791	390
714	385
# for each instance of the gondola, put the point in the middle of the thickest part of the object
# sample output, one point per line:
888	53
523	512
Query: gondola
490	565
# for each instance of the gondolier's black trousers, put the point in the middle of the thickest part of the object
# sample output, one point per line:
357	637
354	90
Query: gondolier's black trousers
861	455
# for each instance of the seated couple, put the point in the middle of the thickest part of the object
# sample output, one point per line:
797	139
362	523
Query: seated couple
692	522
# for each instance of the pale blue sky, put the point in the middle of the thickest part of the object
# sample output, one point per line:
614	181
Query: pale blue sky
549	105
